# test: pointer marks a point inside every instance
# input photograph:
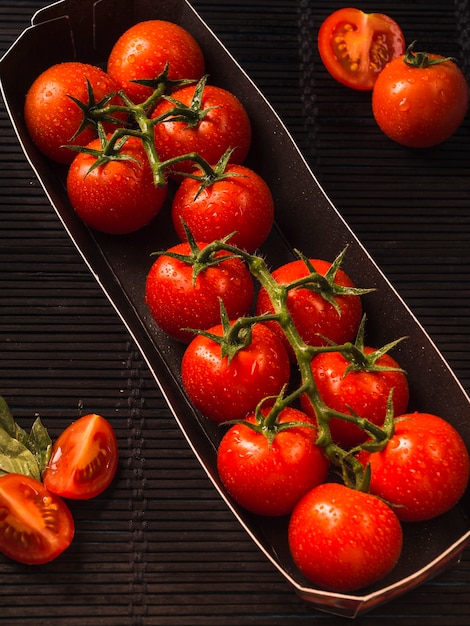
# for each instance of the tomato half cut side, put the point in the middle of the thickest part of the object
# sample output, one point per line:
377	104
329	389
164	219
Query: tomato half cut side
35	525
355	46
83	459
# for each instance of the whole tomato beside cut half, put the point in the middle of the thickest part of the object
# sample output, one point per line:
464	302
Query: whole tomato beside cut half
226	389
269	476
178	300
342	539
83	460
52	117
35	525
420	100
241	203
219	122
358	391
312	314
119	196
142	52
355	46
423	470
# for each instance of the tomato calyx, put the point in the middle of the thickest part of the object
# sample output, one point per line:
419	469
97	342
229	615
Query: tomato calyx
362	361
160	85
110	149
324	284
200	258
191	114
236	335
212	175
95	113
267	423
422	60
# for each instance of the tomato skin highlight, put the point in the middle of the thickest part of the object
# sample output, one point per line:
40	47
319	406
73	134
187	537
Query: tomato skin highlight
423	470
365	393
241	204
311	313
355	46
176	302
84	459
420	107
36	526
342	539
143	50
119	197
281	472
225	391
224	127
52	118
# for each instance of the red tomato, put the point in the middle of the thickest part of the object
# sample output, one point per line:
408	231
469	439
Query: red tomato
84	459
282	470
224	390
423	470
177	302
36	525
420	104
240	204
360	392
52	117
225	125
143	50
356	46
311	313
118	197
342	539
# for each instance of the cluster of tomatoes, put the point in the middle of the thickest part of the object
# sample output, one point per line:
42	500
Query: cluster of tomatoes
36	523
146	130
315	422
418	99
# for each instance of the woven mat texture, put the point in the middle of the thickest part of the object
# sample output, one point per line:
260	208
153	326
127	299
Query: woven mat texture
160	548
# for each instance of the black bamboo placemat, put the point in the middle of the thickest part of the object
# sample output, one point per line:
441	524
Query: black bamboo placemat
160	548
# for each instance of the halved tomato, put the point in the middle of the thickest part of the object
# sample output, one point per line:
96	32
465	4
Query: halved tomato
355	46
35	525
83	459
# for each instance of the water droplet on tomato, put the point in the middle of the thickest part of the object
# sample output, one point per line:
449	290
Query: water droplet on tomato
404	105
443	96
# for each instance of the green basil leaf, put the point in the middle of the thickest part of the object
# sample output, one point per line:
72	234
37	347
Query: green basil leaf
16	458
40	444
7	422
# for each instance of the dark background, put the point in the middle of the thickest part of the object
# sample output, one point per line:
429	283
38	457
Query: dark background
160	547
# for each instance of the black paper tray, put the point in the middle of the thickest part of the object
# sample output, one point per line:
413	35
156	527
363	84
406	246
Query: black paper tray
305	219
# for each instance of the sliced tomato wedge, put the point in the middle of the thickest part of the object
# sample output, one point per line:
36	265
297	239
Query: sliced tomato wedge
35	525
83	460
355	46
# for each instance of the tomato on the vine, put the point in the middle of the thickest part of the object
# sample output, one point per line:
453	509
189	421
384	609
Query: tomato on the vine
363	392
118	196
142	52
83	460
224	388
36	525
343	539
268	472
423	470
179	300
53	118
355	46
420	100
239	202
218	122
313	315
